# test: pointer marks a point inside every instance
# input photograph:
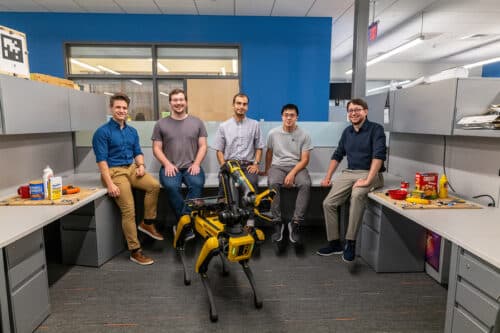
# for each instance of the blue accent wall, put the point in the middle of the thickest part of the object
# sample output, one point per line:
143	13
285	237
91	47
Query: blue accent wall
284	59
491	70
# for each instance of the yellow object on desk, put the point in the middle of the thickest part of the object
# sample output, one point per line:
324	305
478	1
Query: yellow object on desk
418	201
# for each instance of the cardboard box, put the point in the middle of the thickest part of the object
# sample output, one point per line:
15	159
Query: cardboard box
55	188
14	55
427	183
54	80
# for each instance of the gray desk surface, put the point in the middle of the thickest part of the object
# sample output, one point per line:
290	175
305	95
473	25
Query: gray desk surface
19	221
476	230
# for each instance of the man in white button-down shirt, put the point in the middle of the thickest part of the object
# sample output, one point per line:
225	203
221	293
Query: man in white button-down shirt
239	138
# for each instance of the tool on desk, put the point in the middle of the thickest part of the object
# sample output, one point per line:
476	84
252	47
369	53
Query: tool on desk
70	189
418	201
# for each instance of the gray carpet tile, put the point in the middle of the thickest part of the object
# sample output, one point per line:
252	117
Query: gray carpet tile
302	292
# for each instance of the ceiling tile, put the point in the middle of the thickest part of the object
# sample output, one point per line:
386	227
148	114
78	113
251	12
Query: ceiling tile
61	6
291	7
99	6
329	8
23	6
177	7
215	7
254	7
139	7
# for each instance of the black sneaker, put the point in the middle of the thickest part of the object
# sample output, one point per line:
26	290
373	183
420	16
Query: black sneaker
334	247
188	233
278	232
349	251
294	234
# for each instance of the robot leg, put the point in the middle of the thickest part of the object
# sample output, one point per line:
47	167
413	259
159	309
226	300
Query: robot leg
248	272
180	229
208	251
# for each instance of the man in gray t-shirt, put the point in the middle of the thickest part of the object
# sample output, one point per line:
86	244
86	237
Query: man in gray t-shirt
239	138
288	150
180	145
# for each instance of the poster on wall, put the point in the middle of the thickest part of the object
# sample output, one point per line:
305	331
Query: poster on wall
14	53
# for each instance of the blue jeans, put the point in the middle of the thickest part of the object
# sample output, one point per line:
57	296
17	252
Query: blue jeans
172	186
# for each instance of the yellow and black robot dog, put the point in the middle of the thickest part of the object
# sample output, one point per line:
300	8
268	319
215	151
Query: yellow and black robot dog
220	221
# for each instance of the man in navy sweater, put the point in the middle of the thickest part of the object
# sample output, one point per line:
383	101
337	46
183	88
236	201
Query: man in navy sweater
364	145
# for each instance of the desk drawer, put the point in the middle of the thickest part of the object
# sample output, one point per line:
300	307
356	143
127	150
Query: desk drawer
30	303
480	305
370	246
372	217
78	222
478	273
23	248
463	322
26	269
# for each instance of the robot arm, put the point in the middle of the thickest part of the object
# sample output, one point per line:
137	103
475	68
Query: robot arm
231	170
250	200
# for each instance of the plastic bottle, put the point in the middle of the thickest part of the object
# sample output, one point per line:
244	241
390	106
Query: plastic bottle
47	173
443	187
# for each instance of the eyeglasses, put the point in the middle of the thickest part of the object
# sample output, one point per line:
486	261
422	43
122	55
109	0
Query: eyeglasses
289	115
355	110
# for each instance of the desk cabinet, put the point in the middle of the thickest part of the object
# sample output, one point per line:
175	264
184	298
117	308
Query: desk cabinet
92	235
390	242
473	294
33	107
27	282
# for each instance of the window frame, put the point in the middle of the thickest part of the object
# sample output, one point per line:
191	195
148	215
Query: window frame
154	76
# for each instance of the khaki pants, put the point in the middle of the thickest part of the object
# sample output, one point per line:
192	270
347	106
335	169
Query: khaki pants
125	178
340	192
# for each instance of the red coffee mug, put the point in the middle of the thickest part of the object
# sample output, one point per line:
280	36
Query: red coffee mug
24	191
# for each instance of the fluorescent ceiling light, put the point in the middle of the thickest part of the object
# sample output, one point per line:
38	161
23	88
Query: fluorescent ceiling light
162	67
481	63
399	49
106	69
108	93
467	36
388	86
84	65
136	82
163	93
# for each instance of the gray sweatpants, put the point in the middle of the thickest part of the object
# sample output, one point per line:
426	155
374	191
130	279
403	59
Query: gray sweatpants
275	178
340	192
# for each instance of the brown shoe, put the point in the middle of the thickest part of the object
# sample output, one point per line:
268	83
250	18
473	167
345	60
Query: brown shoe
150	230
139	258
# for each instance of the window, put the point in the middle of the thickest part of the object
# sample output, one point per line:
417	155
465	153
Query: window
148	72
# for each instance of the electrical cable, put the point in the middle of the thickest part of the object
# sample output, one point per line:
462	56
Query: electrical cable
491	204
444	165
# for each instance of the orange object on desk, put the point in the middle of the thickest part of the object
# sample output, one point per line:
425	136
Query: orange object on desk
70	189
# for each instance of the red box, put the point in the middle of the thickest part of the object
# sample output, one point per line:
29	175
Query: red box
427	182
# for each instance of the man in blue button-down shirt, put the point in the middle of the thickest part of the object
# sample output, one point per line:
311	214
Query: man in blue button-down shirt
116	147
364	145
